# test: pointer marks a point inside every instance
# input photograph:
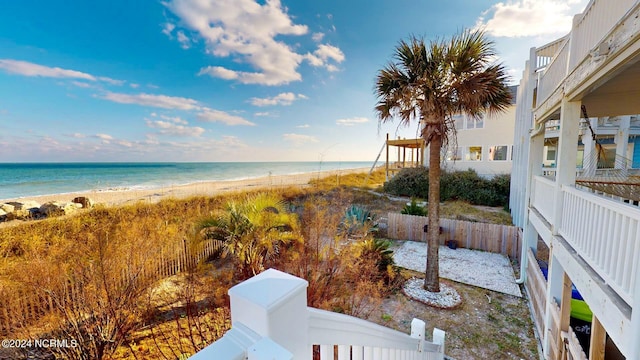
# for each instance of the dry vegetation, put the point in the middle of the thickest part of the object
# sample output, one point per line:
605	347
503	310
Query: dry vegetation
94	272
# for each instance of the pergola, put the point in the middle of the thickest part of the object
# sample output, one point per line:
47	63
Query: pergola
416	154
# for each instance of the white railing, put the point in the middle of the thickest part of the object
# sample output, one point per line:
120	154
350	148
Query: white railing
543	197
606	234
598	19
353	338
270	320
553	75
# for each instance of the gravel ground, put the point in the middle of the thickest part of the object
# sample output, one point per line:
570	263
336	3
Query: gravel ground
447	298
479	268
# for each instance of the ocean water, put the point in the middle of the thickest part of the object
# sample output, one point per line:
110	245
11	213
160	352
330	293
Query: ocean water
32	179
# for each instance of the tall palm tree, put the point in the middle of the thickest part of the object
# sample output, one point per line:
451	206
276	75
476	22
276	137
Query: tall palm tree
253	231
430	83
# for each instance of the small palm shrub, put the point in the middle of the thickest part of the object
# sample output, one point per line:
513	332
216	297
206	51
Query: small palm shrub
414	209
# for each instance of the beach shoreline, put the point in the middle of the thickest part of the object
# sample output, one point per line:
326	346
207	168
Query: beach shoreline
200	188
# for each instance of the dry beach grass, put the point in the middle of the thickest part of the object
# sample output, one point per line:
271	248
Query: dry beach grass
487	324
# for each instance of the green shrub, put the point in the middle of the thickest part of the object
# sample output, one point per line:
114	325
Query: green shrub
458	185
412	182
414	209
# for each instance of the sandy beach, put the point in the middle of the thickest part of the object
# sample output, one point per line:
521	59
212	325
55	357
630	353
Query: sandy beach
120	197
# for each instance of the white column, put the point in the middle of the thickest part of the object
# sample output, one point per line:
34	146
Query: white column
273	304
622	140
534	168
566	156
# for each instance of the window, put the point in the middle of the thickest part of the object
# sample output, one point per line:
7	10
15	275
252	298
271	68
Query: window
498	153
473	153
458	121
463	122
454	155
475	123
551	154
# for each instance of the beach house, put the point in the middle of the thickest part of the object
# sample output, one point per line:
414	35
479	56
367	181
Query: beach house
484	144
575	188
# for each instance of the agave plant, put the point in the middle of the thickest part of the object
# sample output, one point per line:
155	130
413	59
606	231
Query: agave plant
358	221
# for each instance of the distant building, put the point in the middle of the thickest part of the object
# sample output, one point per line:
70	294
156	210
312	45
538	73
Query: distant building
484	144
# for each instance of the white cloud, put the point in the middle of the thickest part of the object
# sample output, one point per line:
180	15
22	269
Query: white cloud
299	139
281	99
232	142
111	81
171	128
161	101
81	84
184	41
219	72
317	37
332	68
175	119
30	69
324	55
210	115
77	135
168	28
305	126
520	18
135	86
352	121
262	113
326	52
26	68
104	136
224	27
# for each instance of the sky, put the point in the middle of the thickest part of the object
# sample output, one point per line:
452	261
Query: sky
226	80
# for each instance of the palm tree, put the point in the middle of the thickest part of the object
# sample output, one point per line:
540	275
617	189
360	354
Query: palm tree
430	83
253	231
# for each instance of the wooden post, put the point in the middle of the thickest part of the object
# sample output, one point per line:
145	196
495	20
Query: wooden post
598	340
565	308
386	176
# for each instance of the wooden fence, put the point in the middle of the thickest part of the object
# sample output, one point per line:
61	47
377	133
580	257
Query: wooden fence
536	287
20	307
494	238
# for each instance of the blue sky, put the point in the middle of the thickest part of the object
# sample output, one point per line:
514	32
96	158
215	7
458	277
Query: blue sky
225	80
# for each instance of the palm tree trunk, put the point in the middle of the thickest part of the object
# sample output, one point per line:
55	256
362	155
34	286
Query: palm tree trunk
432	274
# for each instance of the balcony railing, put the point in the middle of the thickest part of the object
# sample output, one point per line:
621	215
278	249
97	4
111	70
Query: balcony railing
270	320
599	18
543	195
555	72
606	234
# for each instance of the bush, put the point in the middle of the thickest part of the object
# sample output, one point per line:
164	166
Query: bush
458	185
414	209
412	182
